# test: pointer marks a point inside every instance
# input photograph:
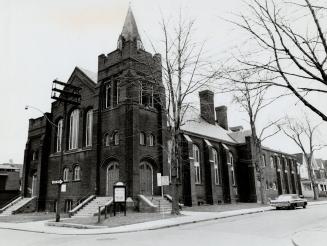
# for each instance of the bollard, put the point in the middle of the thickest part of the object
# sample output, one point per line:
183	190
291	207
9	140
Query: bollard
99	215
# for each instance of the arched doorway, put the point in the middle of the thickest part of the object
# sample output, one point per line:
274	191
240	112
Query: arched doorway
112	177
146	178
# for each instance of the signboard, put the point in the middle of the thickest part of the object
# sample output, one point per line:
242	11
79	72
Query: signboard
164	180
63	188
120	194
159	179
57	182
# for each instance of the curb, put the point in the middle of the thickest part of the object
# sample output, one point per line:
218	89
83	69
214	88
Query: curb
78	226
86	227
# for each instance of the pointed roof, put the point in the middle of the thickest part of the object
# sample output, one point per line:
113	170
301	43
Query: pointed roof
130	32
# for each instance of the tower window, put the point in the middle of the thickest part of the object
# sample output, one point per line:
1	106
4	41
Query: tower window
115	137
142	138
108	95
59	135
151	140
106	139
146	95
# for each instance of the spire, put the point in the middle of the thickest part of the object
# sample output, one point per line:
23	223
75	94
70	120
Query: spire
130	32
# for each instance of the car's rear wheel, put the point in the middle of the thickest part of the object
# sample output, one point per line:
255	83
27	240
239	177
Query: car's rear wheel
304	205
292	206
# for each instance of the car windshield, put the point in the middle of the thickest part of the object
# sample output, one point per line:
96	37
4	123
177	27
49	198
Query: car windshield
286	197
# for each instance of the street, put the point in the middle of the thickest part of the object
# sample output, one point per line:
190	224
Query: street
268	228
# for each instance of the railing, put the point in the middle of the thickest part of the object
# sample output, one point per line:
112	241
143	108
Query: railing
11	202
80	205
105	209
169	198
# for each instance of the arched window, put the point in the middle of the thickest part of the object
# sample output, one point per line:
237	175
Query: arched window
115	137
108	95
77	173
271	162
89	123
106	140
216	167
73	129
197	165
142	138
232	169
151	140
263	159
65	175
59	135
146	94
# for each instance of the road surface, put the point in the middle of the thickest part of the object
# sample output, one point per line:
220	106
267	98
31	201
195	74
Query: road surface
263	229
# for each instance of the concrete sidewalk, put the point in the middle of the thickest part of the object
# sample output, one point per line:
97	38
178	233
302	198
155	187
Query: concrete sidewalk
310	238
188	218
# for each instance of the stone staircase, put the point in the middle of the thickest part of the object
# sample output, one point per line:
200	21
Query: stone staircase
16	205
161	203
92	208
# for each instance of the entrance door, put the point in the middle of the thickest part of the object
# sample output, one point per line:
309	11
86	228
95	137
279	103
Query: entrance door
112	177
146	179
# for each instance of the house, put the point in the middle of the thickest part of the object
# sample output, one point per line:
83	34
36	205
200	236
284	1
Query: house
10	181
319	175
118	132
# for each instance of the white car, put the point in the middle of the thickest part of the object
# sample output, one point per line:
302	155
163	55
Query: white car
290	201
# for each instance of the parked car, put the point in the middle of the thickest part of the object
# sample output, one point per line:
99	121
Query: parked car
290	201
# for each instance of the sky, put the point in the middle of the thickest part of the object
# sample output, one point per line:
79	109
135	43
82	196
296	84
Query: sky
44	40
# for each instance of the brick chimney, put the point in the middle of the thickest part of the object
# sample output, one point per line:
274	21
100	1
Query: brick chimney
221	114
207	106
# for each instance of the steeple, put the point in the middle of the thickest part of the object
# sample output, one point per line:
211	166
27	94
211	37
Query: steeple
130	32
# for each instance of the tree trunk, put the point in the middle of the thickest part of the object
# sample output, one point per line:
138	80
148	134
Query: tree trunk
175	159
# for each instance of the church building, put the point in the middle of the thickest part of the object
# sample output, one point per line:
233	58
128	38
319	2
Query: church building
118	132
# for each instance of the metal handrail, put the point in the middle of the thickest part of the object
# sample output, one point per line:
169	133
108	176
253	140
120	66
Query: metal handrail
11	202
79	201
74	210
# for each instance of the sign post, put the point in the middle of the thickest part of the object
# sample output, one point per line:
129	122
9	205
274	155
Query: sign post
162	181
119	196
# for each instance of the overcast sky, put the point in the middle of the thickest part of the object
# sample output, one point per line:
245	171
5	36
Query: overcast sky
44	40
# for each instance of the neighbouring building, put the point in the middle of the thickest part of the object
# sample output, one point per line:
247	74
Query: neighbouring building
10	181
119	133
319	174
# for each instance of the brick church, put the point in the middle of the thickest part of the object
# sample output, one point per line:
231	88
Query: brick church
118	133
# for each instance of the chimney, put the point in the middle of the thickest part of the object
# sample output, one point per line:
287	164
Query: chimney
221	114
207	106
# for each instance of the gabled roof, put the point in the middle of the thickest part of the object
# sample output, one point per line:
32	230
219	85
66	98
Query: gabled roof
91	75
197	125
130	31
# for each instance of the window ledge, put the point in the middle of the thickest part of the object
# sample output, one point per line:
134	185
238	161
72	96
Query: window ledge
77	180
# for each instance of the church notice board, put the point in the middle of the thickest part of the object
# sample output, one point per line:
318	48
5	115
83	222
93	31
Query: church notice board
119	197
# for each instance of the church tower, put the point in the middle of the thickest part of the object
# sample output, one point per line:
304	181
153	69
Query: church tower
131	122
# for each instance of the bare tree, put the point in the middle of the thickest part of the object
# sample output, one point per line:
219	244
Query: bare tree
303	134
186	70
253	100
289	42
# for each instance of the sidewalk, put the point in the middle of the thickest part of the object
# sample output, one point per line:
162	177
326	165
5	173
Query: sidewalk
188	218
310	238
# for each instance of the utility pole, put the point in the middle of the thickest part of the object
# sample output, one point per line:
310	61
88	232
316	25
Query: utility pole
68	95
